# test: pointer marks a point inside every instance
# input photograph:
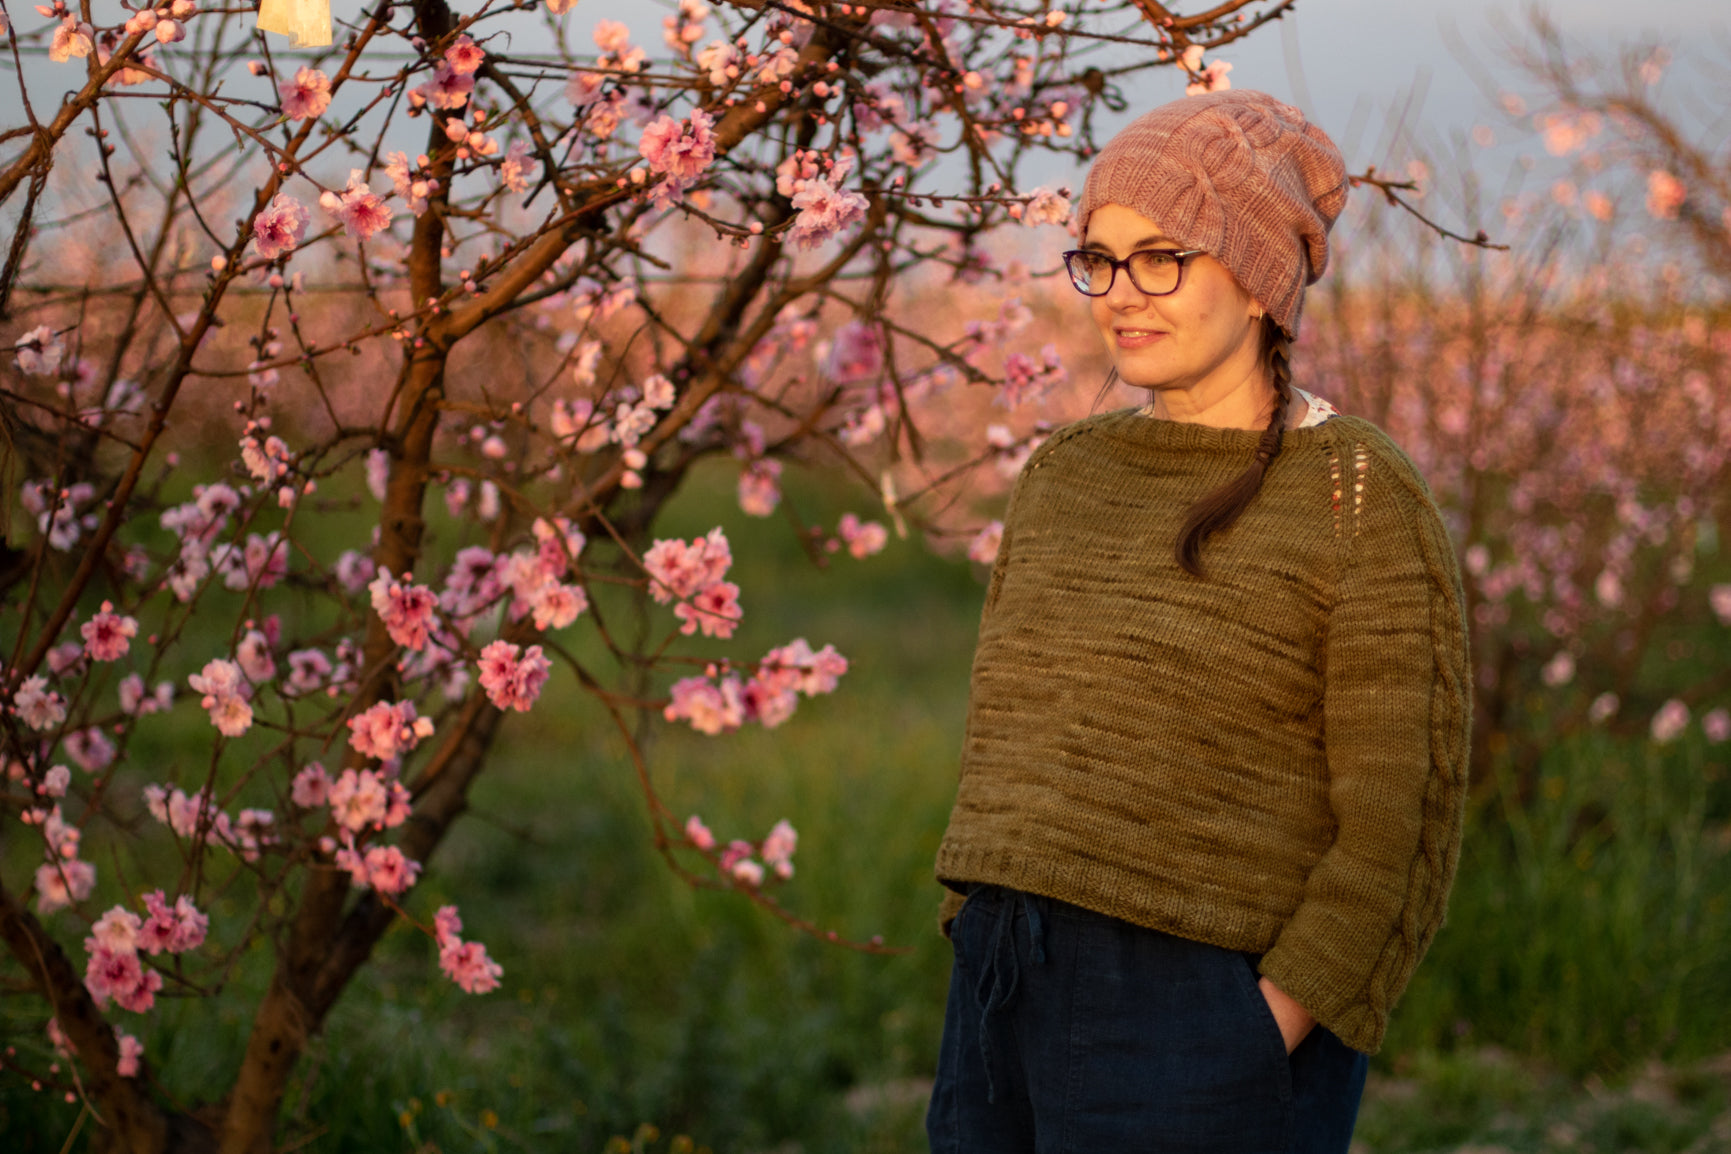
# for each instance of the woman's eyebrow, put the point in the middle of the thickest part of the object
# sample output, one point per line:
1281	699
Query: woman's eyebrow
1101	246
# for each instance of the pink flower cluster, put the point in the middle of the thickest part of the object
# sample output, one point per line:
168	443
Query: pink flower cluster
824	211
384	868
406	610
225	692
862	538
1027	379
184	814
114	971
388	730
63	878
692	573
776	852
715	704
466	963
513	682
681	149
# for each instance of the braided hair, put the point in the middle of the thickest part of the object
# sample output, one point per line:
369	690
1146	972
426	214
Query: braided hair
1219	509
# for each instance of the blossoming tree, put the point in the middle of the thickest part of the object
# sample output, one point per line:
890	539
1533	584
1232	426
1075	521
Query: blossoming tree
494	294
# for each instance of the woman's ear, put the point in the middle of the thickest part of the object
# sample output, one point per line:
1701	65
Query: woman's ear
1258	312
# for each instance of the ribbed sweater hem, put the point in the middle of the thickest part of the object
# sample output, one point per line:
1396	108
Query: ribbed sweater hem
1108	891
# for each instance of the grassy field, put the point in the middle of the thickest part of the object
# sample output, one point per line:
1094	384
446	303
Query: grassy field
1579	999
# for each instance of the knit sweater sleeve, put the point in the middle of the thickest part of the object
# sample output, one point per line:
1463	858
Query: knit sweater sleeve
1396	707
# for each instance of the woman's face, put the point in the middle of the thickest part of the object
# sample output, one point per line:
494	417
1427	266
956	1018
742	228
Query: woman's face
1202	340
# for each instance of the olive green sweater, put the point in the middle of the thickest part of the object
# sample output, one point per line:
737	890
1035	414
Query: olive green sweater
1271	758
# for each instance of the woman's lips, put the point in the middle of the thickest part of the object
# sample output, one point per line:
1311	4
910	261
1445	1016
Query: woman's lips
1136	339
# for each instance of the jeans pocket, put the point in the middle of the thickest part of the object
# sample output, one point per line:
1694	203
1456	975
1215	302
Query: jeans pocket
1269	1025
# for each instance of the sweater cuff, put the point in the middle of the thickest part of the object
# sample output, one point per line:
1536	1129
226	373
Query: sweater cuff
1309	973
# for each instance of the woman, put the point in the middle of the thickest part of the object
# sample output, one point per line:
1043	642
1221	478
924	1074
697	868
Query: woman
1212	781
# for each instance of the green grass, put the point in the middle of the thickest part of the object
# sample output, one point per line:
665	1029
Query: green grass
1588	933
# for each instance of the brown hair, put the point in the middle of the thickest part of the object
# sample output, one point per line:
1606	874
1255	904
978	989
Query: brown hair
1219	509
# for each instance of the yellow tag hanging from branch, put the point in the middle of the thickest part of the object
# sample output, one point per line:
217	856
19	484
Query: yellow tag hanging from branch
307	23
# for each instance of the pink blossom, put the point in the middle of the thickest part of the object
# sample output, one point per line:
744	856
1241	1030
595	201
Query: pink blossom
510	682
107	635
387	730
472	584
64	656
1559	670
312	786
308	669
464	55
176	929
131	1050
1719	599
469	966
709	709
1717	725
55	782
39	352
778	849
824	211
362	212
358	799
856	354
698	833
71	38
1211	78
737	850
305	96
38	706
748	872
1046	207
715	610
681	149
118	975
60	884
1669	721
555	606
517	167
759	487
280	227
115	930
447	89
678	570
862	538
90	748
253	656
984	547
809	672
447	924
770	698
1665	195
406	610
612	37
224	687
389	871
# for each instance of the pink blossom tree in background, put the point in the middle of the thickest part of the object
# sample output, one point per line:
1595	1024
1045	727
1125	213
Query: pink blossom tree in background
331	436
1569	403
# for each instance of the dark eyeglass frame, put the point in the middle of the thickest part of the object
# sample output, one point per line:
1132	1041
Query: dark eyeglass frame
1179	254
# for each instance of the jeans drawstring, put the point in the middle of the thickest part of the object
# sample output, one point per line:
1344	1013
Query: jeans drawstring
1036	930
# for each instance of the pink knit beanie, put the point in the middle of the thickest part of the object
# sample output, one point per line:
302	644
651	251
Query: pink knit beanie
1241	176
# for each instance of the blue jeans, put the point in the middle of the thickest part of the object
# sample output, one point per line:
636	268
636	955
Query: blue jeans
1070	1031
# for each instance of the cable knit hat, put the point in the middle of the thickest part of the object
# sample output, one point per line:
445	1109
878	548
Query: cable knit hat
1237	174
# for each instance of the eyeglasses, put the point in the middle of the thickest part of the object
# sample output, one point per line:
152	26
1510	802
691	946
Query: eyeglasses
1154	271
